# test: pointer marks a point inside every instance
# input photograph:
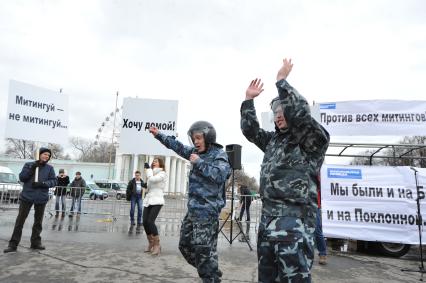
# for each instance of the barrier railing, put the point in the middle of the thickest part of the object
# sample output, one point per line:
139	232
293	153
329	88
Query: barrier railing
9	196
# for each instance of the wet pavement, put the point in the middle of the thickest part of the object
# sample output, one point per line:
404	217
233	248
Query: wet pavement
96	248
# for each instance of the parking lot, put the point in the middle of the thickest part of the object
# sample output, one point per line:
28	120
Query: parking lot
99	247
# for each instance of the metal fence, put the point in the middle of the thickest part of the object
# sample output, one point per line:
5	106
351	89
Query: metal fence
174	209
9	196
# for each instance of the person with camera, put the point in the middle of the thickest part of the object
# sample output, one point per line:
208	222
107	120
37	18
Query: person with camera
154	200
61	192
38	177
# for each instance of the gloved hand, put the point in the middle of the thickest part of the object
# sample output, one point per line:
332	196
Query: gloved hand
146	165
38	185
35	165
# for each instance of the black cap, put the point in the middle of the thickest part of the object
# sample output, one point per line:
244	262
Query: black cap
43	150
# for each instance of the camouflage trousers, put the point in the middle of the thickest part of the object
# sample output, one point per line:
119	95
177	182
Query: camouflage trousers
285	250
198	245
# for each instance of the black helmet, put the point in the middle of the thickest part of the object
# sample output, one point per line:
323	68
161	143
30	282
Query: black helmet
206	128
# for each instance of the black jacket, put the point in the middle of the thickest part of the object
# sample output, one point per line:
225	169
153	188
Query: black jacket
131	187
61	188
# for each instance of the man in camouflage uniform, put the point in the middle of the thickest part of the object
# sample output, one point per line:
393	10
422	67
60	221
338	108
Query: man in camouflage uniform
293	157
206	197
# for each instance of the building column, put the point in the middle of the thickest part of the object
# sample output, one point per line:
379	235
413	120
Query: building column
178	176
118	166
184	179
167	165
172	184
135	163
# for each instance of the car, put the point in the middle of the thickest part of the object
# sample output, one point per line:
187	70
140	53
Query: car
10	188
113	187
94	192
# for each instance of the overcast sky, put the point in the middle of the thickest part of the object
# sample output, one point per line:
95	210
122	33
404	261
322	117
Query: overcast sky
204	53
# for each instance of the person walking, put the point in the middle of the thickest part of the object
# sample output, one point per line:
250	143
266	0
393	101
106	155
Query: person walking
78	187
154	201
206	197
294	153
134	195
61	192
38	177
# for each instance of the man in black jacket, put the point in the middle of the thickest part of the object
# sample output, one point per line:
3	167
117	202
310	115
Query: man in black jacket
134	195
61	191
38	177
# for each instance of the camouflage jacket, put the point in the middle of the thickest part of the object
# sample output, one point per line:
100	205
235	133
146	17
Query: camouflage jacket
206	193
293	156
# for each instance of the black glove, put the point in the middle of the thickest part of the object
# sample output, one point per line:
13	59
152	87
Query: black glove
146	165
38	185
35	165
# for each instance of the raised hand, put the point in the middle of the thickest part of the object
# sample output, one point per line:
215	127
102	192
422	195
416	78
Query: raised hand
285	69
154	131
254	89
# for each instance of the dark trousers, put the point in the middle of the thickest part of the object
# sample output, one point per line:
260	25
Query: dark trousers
150	213
198	245
24	210
245	205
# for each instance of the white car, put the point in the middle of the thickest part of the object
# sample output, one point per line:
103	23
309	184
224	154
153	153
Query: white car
114	188
10	188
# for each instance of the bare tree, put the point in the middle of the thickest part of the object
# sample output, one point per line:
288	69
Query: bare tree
240	177
92	151
20	148
394	153
26	149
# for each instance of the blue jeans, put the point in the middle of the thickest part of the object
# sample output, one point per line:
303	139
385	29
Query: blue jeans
136	200
76	200
319	237
62	198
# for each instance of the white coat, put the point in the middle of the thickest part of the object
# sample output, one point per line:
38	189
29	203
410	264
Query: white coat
156	183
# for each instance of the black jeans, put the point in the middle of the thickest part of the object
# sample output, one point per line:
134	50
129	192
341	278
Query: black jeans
245	205
24	210
149	214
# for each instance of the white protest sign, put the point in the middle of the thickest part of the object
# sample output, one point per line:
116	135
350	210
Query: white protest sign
370	203
374	117
138	116
36	114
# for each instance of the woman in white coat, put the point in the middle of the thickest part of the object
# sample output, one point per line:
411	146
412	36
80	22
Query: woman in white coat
153	202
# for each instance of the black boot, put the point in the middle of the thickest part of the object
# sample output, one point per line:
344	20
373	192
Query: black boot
10	249
38	247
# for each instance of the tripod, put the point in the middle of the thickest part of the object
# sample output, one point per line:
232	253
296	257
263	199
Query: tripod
231	239
420	195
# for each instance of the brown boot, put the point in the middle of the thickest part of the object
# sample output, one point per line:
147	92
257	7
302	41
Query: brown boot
150	244
156	250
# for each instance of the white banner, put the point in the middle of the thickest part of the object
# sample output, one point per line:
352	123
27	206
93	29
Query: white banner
36	114
371	203
138	116
374	117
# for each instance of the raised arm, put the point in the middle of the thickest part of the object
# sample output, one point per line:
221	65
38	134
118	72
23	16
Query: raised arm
171	143
309	133
249	123
157	178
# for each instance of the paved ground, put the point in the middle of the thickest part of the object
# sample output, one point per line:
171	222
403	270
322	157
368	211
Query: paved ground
93	249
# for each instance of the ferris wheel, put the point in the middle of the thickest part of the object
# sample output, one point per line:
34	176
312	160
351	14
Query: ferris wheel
107	132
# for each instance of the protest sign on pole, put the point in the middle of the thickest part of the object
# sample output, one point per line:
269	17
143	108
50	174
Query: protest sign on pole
371	203
36	114
141	114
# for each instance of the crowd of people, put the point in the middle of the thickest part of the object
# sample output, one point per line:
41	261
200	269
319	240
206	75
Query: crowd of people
290	224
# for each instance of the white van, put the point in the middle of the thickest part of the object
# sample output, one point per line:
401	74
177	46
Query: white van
10	188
